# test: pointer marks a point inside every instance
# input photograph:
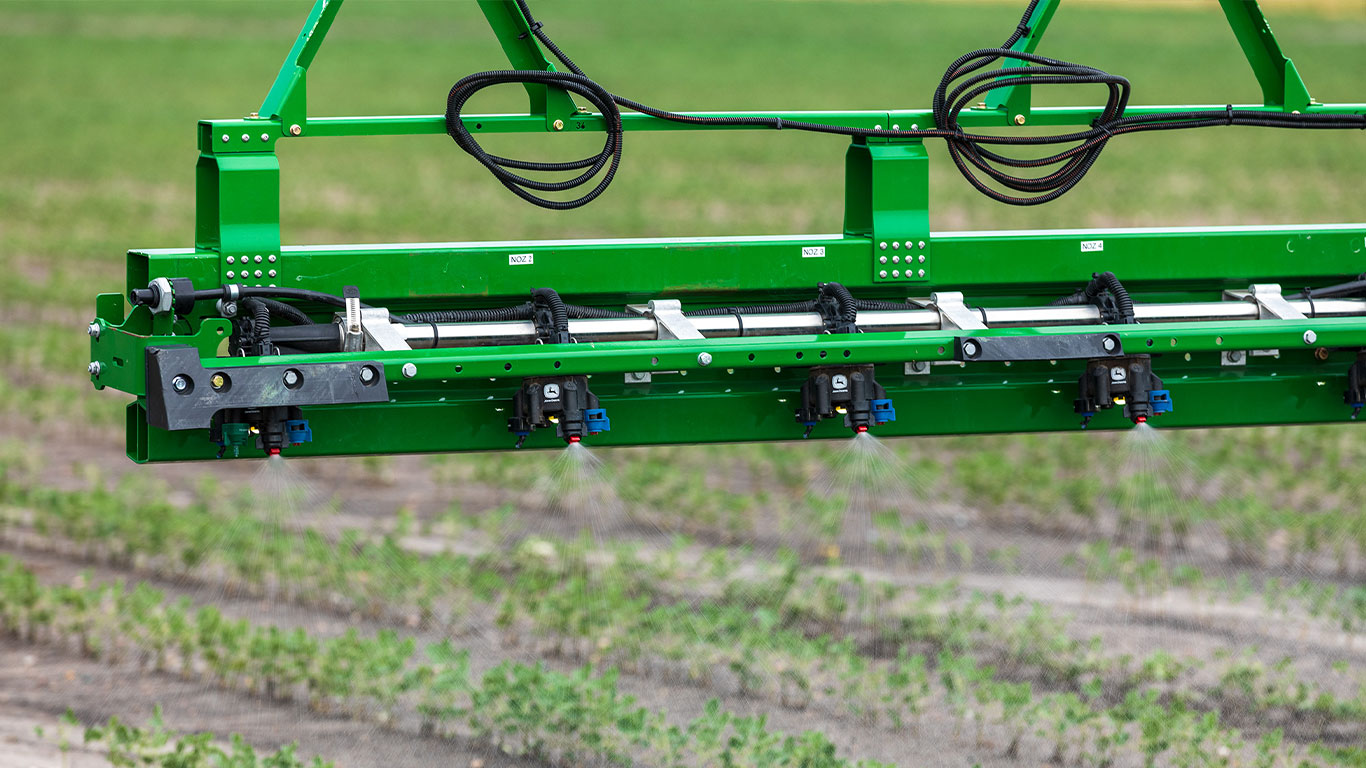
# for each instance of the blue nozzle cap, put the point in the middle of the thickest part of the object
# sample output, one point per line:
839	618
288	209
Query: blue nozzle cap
595	420
883	411
1160	400
298	432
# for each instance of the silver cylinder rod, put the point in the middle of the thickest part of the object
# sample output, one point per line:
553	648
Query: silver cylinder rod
420	335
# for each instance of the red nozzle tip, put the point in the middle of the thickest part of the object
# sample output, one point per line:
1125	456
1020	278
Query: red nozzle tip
860	429
1141	420
574	438
273	452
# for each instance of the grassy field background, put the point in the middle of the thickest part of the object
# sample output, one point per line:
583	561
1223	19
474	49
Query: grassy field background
100	99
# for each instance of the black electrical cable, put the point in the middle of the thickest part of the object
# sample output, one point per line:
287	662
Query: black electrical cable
1332	291
755	309
978	164
286	312
257	315
1101	284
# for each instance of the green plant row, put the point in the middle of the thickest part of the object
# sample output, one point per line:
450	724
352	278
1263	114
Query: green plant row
562	718
749	631
153	746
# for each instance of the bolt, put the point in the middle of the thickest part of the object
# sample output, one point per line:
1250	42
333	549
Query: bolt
1019	119
559	125
882	245
230	309
231	259
896	259
704	359
922	245
1234	355
231	274
882	273
180	384
258	273
970	349
94	330
877	127
271	258
1321	353
258	258
295	130
896	127
246	137
265	137
922	258
94	369
409	370
1310	337
922	273
896	245
919	365
291	378
896	273
225	138
1109	343
367	375
271	273
882	260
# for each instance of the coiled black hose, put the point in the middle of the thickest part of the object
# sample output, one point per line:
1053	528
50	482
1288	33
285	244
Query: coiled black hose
982	167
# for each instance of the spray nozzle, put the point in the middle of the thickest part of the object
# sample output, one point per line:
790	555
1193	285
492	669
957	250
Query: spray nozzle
1127	382
848	391
564	402
273	429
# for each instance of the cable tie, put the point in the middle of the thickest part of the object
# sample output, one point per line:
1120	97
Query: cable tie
778	123
1230	114
534	27
1023	29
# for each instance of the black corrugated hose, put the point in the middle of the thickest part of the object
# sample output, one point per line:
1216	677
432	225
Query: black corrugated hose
982	167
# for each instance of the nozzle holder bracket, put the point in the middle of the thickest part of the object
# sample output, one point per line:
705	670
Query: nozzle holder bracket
193	405
996	349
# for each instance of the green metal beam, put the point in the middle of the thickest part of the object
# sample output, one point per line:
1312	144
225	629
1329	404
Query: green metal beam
1280	81
1015	99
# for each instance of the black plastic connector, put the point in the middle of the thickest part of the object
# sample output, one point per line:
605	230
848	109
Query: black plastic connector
564	401
848	391
1127	381
1355	396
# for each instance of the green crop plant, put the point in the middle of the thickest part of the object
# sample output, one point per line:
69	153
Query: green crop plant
153	746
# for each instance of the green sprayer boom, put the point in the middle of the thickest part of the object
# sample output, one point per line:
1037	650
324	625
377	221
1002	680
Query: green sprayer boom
242	344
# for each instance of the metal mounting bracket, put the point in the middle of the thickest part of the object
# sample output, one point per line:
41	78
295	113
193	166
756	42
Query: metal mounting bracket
203	392
668	315
954	314
379	331
1271	303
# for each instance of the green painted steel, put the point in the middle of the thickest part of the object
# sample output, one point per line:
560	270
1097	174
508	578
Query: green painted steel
459	399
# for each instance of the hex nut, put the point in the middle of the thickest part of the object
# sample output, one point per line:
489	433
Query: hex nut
409	370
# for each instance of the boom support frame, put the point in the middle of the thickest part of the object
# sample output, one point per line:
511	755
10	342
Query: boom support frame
454	398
